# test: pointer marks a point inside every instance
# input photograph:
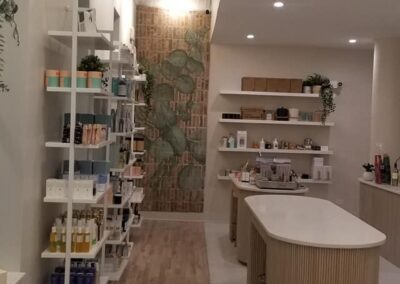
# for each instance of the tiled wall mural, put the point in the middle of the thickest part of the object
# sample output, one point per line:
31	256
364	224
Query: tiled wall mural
176	51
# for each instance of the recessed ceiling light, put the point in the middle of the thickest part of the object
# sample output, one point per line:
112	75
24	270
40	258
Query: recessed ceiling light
250	36
352	41
279	4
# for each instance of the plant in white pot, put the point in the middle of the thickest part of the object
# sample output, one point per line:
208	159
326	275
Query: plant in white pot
368	174
317	81
307	86
94	68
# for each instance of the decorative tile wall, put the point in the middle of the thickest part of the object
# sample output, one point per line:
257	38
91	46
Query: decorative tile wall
175	50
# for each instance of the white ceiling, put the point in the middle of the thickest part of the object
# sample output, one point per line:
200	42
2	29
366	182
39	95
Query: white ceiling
324	23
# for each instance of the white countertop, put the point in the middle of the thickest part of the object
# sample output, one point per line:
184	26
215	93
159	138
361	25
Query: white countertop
386	187
312	222
248	187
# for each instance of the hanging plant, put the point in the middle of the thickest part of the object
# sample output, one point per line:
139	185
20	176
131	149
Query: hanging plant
8	8
148	87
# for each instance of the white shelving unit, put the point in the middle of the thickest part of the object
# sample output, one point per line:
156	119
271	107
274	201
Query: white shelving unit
122	170
80	43
275	151
269	94
14	277
115	275
276	122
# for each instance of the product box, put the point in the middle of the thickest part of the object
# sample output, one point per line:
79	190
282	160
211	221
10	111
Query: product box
241	139
296	86
278	85
247	84
56	188
3	277
83	189
260	84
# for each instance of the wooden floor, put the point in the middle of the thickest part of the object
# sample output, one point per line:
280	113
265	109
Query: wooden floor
168	252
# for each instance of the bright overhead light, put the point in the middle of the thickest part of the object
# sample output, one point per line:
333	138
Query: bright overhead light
279	4
177	7
250	36
352	41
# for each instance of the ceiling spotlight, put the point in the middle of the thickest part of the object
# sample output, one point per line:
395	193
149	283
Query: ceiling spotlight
278	4
352	41
250	36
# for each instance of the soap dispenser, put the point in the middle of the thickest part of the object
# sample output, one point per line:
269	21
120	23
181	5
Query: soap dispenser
262	144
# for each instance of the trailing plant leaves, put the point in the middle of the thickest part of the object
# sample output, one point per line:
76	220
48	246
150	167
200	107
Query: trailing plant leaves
190	178
194	66
161	150
178	58
163	92
195	53
170	71
177	138
185	84
164	116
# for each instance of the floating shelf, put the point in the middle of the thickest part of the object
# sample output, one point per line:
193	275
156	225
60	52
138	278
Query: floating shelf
96	91
137	196
78	146
94	200
275	122
269	94
272	151
139	80
123	235
139	153
115	98
138	225
14	277
84	255
134	177
122	170
140	128
116	275
311	181
123	134
140	104
223	177
93	40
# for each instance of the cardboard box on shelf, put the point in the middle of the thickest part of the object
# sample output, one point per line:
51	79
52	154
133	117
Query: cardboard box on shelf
247	84
296	86
278	85
260	84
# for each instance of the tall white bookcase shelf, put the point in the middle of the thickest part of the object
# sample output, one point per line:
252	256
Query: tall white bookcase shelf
274	123
81	42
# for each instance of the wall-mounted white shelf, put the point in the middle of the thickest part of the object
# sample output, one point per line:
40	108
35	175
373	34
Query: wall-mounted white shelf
116	275
275	122
78	146
84	91
140	104
269	94
84	255
14	277
122	170
87	39
140	128
96	199
220	177
134	177
123	134
311	181
273	151
123	236
137	196
115	98
139	153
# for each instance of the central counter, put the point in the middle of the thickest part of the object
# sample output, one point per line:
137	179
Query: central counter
305	240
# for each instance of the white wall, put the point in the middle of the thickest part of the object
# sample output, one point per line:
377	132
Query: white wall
28	117
349	138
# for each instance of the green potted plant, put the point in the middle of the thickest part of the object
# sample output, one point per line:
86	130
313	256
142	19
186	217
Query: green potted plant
368	174
322	85
91	68
307	86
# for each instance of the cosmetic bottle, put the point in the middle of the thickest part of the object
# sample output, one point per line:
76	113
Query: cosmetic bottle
63	240
74	239
86	239
262	144
386	172
79	239
395	176
231	141
275	144
378	165
53	240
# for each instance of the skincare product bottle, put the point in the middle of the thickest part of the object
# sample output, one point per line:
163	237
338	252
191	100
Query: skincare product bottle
73	237
395	175
86	240
53	240
378	165
386	172
231	141
262	144
63	240
275	144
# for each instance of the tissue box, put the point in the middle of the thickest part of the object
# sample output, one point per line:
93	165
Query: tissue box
3	277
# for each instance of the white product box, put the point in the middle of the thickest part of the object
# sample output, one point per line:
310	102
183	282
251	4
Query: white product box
83	189
56	188
317	172
324	148
318	161
3	277
241	139
327	173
